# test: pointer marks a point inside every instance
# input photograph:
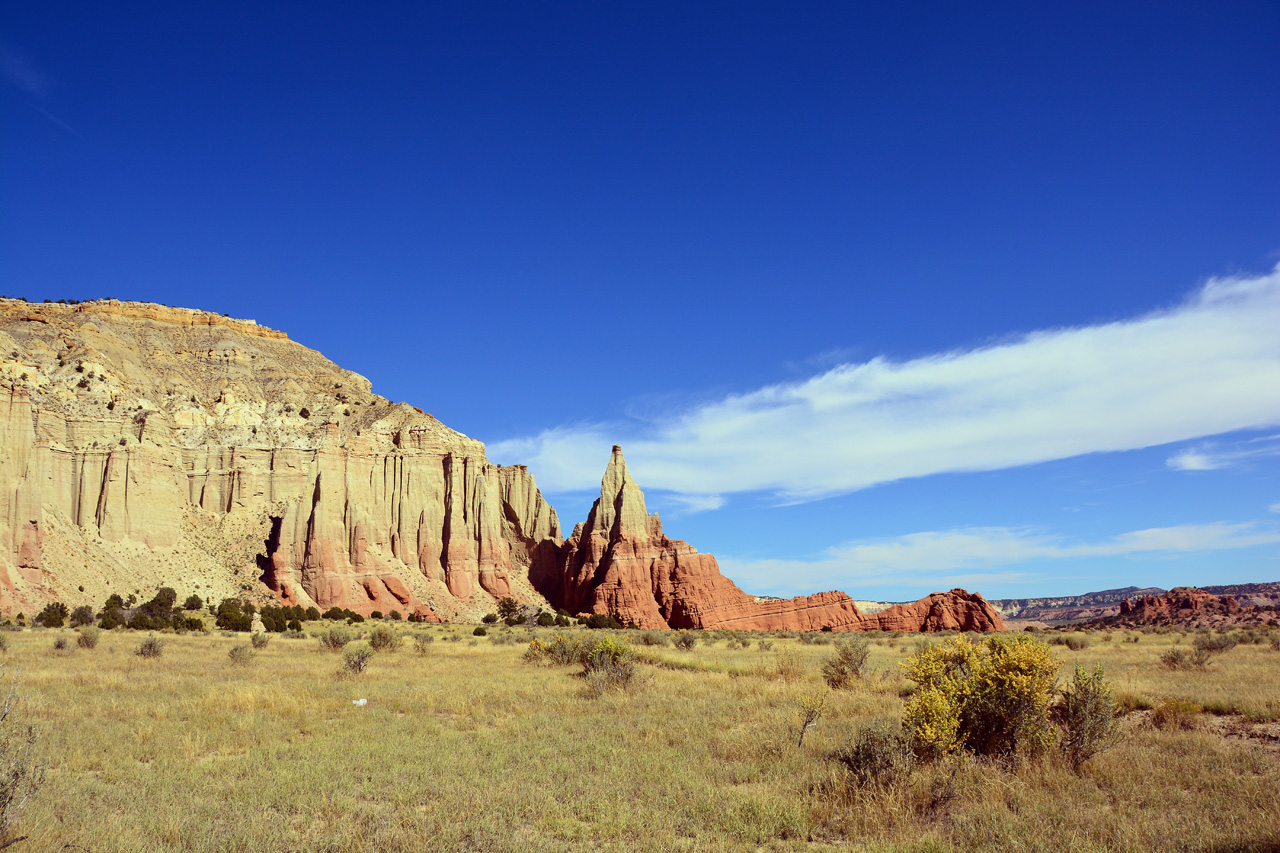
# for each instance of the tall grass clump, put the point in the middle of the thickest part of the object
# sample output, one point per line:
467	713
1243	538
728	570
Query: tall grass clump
1176	715
21	775
151	647
88	637
844	668
259	640
241	655
879	755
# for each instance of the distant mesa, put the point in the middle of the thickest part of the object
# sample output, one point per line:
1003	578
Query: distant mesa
1186	606
1091	606
144	446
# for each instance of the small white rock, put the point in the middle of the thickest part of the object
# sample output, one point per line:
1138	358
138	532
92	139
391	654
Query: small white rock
359	703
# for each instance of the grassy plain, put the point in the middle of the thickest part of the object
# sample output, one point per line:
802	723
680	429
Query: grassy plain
467	748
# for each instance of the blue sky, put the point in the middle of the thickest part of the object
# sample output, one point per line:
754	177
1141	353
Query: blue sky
881	298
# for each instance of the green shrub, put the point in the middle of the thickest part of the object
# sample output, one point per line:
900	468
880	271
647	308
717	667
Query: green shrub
1215	645
151	647
878	756
356	660
685	641
604	672
4	643
88	638
112	618
294	626
82	615
335	638
480	631
193	602
844	668
1175	659
395	616
652	638
60	644
312	614
260	641
233	615
241	655
377	614
490	618
546	620
384	639
603	620
1088	714
54	615
508	608
562	620
990	697
422	643
1074	642
562	649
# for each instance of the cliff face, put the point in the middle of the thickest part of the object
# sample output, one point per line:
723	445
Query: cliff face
619	562
142	445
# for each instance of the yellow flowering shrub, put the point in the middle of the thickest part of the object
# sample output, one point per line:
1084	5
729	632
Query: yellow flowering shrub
989	696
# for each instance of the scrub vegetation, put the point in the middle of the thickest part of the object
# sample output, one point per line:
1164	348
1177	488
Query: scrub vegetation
545	738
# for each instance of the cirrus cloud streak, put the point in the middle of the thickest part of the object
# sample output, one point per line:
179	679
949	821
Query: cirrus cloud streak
1208	366
973	556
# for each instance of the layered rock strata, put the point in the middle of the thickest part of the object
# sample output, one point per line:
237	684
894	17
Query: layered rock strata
142	445
619	562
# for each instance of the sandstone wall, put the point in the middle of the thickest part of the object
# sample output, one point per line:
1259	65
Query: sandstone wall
216	454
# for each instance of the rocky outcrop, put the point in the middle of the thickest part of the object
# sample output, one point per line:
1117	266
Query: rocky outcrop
142	445
619	562
1182	605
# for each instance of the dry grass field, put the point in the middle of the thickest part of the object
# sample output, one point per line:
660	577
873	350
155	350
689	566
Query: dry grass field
466	747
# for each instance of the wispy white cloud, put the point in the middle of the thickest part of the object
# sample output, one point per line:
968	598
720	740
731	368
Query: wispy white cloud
1208	366
1212	456
1274	507
696	503
973	556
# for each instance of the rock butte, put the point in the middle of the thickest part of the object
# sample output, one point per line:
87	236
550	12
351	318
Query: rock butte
619	562
143	446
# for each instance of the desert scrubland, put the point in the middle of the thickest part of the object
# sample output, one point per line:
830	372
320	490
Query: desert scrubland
464	745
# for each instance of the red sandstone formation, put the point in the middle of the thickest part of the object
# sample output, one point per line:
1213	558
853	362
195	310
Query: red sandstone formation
1185	605
620	563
